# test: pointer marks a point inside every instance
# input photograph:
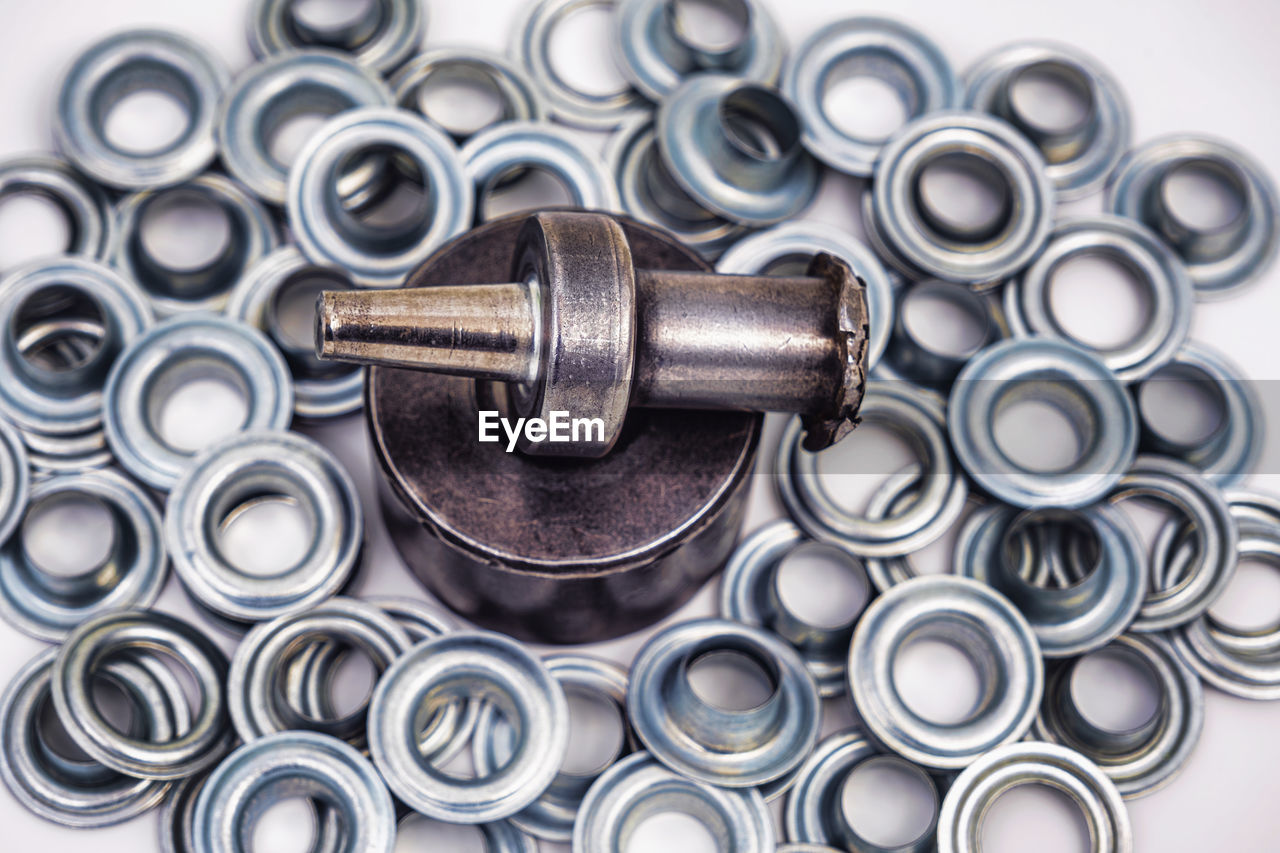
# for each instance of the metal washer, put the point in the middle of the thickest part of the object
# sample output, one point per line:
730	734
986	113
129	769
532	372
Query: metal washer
88	213
383	38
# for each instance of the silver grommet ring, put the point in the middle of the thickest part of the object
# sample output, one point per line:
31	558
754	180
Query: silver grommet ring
914	355
15	480
382	38
518	98
117	67
1070	380
730	748
975	790
1220	257
919	417
88	214
814	812
291	764
982	624
638	786
793	244
469	665
376	255
1080	155
50	606
883	49
923	241
180	350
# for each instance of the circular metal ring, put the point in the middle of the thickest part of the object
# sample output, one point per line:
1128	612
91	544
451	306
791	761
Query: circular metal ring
924	242
180	350
814	813
469	665
81	658
913	356
979	622
119	66
1065	377
552	815
881	49
919	417
1080	155
518	98
83	205
290	764
974	791
1140	760
730	748
795	244
531	48
638	786
15	480
1028	305
374	255
1228	454
271	93
386	34
50	606
1220	258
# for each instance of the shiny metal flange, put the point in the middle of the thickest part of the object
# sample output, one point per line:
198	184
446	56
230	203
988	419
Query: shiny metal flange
981	623
730	748
119	66
81	659
375	255
1080	155
922	241
469	665
15	480
385	34
518	98
1146	757
268	95
883	49
292	764
734	147
183	349
638	787
814	812
1220	258
552	815
1028	302
794	244
914	355
1063	376
49	605
918	416
84	206
658	47
975	790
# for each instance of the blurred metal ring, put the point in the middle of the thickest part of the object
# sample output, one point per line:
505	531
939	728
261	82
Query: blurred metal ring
15	480
89	216
386	33
518	98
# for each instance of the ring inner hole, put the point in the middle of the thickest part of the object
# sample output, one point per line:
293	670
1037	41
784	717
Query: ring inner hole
938	677
1034	810
286	826
673	821
474	687
963	198
887	803
1182	404
1039	424
397	214
822	586
598	732
1085	280
144	109
351	682
524	188
852	471
731	680
1115	690
462	99
1251	602
195	403
33	224
1064	547
759	124
1204	196
59	329
593	73
69	535
947	320
418	833
1051	97
710	28
293	116
345	24
869	96
266	532
185	231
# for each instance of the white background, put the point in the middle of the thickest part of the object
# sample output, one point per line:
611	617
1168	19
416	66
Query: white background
1185	65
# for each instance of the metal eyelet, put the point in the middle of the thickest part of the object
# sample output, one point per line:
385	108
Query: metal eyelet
374	255
638	786
469	665
1229	454
199	746
88	213
129	62
180	350
883	49
494	155
919	417
269	94
1131	246
518	98
733	749
1077	614
911	357
289	764
15	480
975	619
657	50
795	243
531	48
552	815
925	243
1081	156
50	606
382	39
1143	759
1219	259
814	812
974	791
1066	377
